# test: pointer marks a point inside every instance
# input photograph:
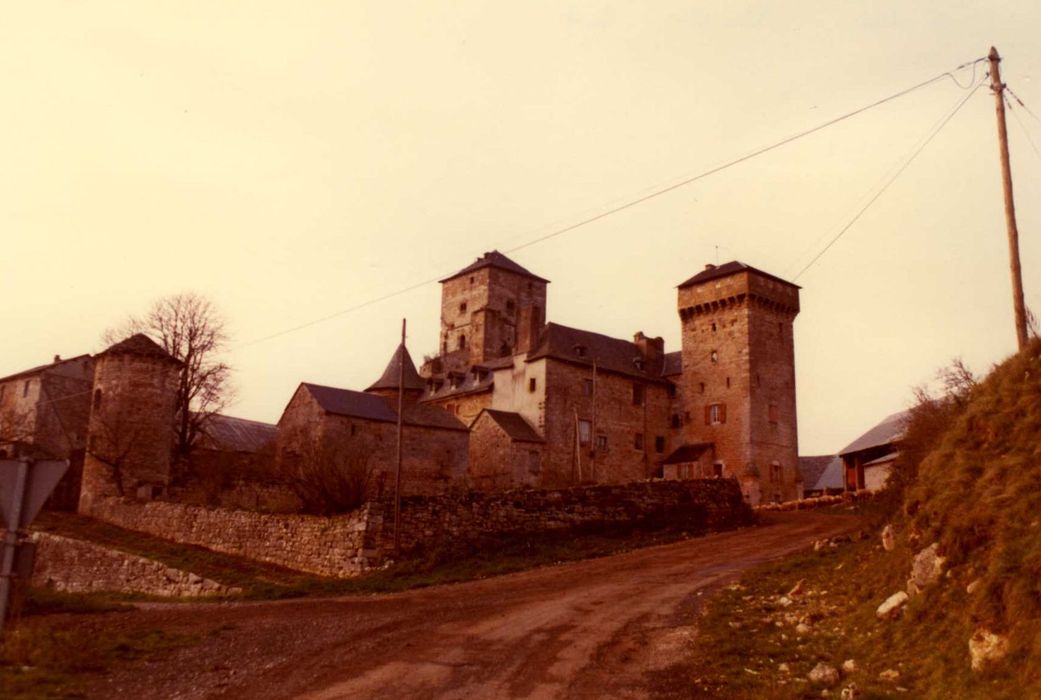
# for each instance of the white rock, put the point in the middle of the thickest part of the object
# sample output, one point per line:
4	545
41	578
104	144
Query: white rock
890	675
784	601
850	692
891	608
849	666
802	628
888	538
824	674
926	569
783	668
973	586
985	647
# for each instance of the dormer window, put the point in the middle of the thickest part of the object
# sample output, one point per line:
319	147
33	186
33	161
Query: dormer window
638	363
580	350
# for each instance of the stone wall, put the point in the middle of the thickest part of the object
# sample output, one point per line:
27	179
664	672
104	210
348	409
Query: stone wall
694	505
348	545
328	546
78	566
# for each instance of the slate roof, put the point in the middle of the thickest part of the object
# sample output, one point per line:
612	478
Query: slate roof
890	430
673	364
731	268
140	344
495	259
358	404
43	368
411	377
582	347
811	468
236	434
830	478
513	424
471	382
687	453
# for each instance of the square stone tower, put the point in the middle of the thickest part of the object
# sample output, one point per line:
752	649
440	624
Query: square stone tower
738	377
490	309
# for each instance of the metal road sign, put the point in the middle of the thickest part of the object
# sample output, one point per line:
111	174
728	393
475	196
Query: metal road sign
40	479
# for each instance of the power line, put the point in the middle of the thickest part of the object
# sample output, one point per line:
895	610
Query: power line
1022	126
639	200
890	181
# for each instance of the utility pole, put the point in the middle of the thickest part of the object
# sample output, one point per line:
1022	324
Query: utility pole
397	467
1018	305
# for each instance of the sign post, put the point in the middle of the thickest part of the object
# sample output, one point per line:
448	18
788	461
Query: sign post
24	487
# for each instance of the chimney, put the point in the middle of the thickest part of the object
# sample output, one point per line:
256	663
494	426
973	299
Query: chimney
529	324
57	359
652	350
709	266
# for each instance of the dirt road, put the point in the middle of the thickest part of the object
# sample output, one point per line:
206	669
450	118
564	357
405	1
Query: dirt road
613	627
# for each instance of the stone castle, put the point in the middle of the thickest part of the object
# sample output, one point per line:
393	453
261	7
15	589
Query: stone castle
509	401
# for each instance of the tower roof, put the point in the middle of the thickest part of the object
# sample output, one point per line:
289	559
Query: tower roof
389	380
712	272
141	345
495	259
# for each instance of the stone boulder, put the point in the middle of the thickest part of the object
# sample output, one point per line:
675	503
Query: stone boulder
926	569
888	538
825	675
892	607
985	647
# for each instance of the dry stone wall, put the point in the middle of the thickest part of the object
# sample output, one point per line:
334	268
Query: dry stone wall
328	546
348	545
78	566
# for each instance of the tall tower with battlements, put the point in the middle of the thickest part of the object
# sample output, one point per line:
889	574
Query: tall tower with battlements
738	376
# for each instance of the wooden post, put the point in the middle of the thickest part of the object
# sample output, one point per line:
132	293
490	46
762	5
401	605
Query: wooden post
1010	207
397	467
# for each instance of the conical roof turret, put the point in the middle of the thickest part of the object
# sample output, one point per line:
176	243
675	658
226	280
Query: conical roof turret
411	379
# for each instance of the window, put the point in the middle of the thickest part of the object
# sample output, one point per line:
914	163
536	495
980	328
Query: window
702	384
585	428
671	390
462	342
659	444
717	470
728	382
601	442
714	356
25	388
354	429
532	384
462	308
638	390
713	327
676	422
638	441
510	306
776	473
774	413
97	399
471	280
580	350
534	462
587	387
715	413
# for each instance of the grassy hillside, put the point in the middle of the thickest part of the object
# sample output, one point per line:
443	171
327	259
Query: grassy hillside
970	481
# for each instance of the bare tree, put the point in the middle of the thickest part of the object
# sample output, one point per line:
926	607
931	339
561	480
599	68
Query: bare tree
327	475
191	330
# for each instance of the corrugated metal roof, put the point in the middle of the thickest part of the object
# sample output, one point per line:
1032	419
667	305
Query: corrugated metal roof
890	430
495	259
389	380
358	404
731	268
582	347
236	434
514	425
687	453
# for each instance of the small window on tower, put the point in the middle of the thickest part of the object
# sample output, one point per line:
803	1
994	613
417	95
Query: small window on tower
713	327
676	421
510	306
714	356
638	390
728	382
715	414
601	442
702	385
587	387
97	399
532	384
585	428
462	342
638	441
659	444
462	308
25	388
471	280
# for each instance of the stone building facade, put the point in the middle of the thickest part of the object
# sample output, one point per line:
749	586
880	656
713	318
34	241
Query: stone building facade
130	429
613	411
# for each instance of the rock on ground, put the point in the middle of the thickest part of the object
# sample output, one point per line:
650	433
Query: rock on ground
888	538
890	609
824	674
925	569
986	647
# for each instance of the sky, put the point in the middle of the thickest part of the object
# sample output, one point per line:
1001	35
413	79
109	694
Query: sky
291	161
